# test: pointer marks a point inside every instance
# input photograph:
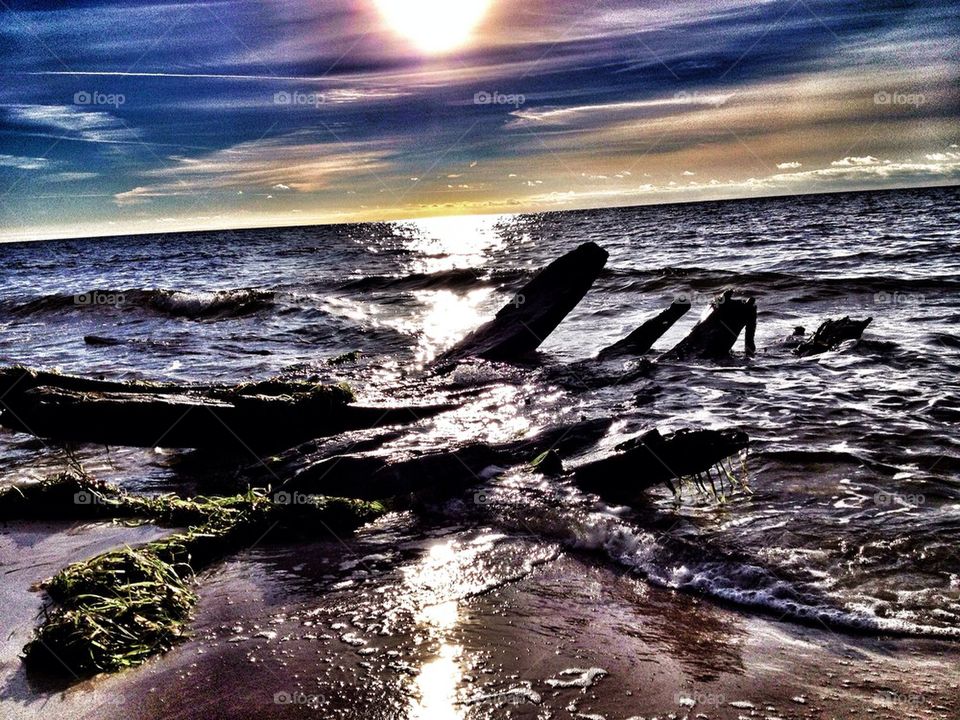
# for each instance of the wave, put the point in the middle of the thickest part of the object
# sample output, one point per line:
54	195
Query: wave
737	582
220	303
887	288
213	304
454	279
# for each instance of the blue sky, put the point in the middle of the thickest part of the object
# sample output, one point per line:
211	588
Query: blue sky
153	116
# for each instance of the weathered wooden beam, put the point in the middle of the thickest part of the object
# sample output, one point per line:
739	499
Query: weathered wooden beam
714	336
652	459
269	414
379	473
831	334
641	340
535	310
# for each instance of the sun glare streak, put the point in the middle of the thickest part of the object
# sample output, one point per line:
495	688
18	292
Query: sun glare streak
438	680
449	242
434	26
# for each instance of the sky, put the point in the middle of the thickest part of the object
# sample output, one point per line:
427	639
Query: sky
123	117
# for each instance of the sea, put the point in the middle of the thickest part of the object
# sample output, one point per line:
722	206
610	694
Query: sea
850	514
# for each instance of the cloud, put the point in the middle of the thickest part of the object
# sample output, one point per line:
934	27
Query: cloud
853	174
71	176
24	163
789	165
855	161
73	122
292	162
609	111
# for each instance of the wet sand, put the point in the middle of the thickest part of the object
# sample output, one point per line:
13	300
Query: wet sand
470	624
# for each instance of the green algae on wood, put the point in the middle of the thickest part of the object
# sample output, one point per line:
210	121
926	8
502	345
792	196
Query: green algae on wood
122	607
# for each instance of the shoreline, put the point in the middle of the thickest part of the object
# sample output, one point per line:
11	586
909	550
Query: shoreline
287	631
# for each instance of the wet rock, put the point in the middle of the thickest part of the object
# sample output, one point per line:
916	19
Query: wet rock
547	463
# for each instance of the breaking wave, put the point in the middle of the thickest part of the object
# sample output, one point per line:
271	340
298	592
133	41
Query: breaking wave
214	304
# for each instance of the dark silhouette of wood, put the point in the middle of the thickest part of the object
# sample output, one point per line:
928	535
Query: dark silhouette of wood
651	459
831	334
268	414
641	340
535	310
714	336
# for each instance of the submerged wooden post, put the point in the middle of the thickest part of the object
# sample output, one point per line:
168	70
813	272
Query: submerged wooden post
535	310
641	340
714	336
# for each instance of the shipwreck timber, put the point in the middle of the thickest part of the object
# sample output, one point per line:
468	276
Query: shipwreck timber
831	334
652	458
266	414
715	335
535	310
641	340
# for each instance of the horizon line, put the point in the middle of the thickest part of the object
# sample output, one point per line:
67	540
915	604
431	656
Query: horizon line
414	218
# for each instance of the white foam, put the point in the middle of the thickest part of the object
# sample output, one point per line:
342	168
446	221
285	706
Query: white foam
577	677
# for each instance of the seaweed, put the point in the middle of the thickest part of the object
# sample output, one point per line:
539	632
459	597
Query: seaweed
347	357
124	606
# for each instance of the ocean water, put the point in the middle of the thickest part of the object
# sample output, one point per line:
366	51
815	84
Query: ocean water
854	516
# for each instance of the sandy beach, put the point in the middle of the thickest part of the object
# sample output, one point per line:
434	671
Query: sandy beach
469	635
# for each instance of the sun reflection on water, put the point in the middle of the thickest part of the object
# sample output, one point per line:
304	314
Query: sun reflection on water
438	679
449	243
437	687
446	318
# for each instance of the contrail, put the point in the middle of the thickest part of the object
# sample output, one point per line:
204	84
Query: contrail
202	76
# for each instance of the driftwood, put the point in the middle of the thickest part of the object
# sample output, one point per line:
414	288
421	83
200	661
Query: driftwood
714	336
378	474
831	334
641	340
637	465
535	310
651	459
260	415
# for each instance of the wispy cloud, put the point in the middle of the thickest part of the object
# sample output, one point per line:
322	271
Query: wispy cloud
24	163
72	122
621	102
279	164
679	101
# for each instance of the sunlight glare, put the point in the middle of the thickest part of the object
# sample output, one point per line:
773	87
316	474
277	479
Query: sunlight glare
434	26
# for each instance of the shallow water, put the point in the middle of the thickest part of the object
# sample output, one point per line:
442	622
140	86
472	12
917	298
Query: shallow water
855	511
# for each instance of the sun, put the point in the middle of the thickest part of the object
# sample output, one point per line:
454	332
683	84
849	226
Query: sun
434	26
